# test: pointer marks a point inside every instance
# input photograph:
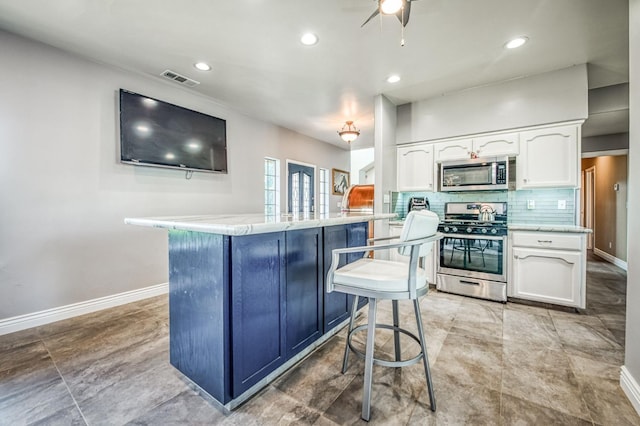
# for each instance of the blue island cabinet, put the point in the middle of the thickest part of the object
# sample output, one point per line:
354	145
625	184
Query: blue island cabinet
242	306
304	288
337	306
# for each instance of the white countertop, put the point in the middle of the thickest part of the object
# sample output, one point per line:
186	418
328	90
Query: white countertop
534	227
547	228
246	224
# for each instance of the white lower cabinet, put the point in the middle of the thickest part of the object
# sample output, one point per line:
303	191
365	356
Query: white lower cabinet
430	260
548	267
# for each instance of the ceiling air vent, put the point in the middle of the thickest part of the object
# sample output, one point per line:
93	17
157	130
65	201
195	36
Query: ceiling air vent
171	75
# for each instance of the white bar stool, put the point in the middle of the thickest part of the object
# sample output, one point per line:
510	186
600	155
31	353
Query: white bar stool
387	280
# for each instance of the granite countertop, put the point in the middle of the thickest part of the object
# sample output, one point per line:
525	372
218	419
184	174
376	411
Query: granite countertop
548	228
246	224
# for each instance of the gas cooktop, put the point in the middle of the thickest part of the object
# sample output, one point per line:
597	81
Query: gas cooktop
475	218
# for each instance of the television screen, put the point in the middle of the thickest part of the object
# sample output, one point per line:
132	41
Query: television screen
156	133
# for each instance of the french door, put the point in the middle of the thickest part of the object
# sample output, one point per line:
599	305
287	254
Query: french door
301	187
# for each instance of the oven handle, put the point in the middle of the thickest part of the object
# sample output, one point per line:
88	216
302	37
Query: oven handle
469	282
473	237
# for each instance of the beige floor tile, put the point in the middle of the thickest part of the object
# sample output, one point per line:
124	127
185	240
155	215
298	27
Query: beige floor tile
542	376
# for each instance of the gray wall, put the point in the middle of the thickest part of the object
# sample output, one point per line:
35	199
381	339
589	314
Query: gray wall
632	358
64	195
605	142
544	98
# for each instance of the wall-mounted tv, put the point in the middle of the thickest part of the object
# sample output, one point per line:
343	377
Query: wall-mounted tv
159	134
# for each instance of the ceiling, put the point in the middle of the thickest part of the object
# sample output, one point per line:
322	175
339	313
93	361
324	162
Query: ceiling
260	67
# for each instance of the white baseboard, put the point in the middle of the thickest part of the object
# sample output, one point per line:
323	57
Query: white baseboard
22	322
630	387
609	258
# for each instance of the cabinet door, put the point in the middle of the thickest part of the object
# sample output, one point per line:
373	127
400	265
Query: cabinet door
415	168
304	288
453	150
257	304
548	158
552	276
337	305
496	145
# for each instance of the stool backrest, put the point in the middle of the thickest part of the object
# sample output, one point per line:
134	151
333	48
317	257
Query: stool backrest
419	224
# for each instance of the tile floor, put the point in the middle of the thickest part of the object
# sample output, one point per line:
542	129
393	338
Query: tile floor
492	364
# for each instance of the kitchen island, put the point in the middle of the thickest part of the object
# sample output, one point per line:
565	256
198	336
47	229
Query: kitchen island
247	295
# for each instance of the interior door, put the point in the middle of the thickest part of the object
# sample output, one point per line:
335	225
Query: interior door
301	188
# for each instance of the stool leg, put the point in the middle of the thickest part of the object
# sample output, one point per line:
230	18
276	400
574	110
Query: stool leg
368	360
396	333
345	359
425	357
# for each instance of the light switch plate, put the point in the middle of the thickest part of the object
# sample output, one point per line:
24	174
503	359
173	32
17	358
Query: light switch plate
531	204
385	198
562	204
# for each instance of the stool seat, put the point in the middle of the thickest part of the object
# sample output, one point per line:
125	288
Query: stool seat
377	275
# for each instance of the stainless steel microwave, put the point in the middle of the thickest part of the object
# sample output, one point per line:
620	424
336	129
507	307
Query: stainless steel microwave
478	174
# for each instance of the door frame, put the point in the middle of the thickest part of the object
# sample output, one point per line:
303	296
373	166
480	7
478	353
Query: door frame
315	183
589	200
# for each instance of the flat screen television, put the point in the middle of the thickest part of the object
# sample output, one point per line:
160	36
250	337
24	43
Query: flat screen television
159	134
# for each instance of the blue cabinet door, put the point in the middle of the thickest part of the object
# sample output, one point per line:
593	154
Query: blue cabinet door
257	307
304	288
337	305
199	310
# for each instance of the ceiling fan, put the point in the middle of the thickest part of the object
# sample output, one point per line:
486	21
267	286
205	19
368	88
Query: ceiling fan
400	8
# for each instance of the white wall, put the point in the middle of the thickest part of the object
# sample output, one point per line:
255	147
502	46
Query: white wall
632	340
360	158
64	195
544	98
385	157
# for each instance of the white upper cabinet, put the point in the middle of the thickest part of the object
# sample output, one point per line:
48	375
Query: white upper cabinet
453	150
415	168
497	145
548	158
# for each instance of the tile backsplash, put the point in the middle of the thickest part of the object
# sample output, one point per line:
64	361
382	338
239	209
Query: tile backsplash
545	202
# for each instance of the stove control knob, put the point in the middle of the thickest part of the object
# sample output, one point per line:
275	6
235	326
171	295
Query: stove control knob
446	229
494	231
469	230
484	230
454	229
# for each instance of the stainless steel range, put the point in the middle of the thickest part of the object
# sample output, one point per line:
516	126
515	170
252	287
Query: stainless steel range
472	255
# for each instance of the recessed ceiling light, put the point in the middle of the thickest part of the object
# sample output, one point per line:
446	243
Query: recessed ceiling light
309	39
393	78
202	66
516	42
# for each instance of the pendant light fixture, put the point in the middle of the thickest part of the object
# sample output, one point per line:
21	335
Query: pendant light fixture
349	133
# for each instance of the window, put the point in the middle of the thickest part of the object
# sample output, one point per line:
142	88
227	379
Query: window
324	191
271	186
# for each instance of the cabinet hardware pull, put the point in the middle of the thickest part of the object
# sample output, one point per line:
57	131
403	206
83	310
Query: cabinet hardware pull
469	282
545	241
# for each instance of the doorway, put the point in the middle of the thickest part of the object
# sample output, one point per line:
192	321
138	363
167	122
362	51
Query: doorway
300	187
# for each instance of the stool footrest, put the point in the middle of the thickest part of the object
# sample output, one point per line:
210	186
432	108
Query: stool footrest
383	362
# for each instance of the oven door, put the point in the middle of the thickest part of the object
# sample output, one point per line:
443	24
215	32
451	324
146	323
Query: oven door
473	256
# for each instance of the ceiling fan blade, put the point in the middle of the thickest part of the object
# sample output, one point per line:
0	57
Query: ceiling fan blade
404	11
373	15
